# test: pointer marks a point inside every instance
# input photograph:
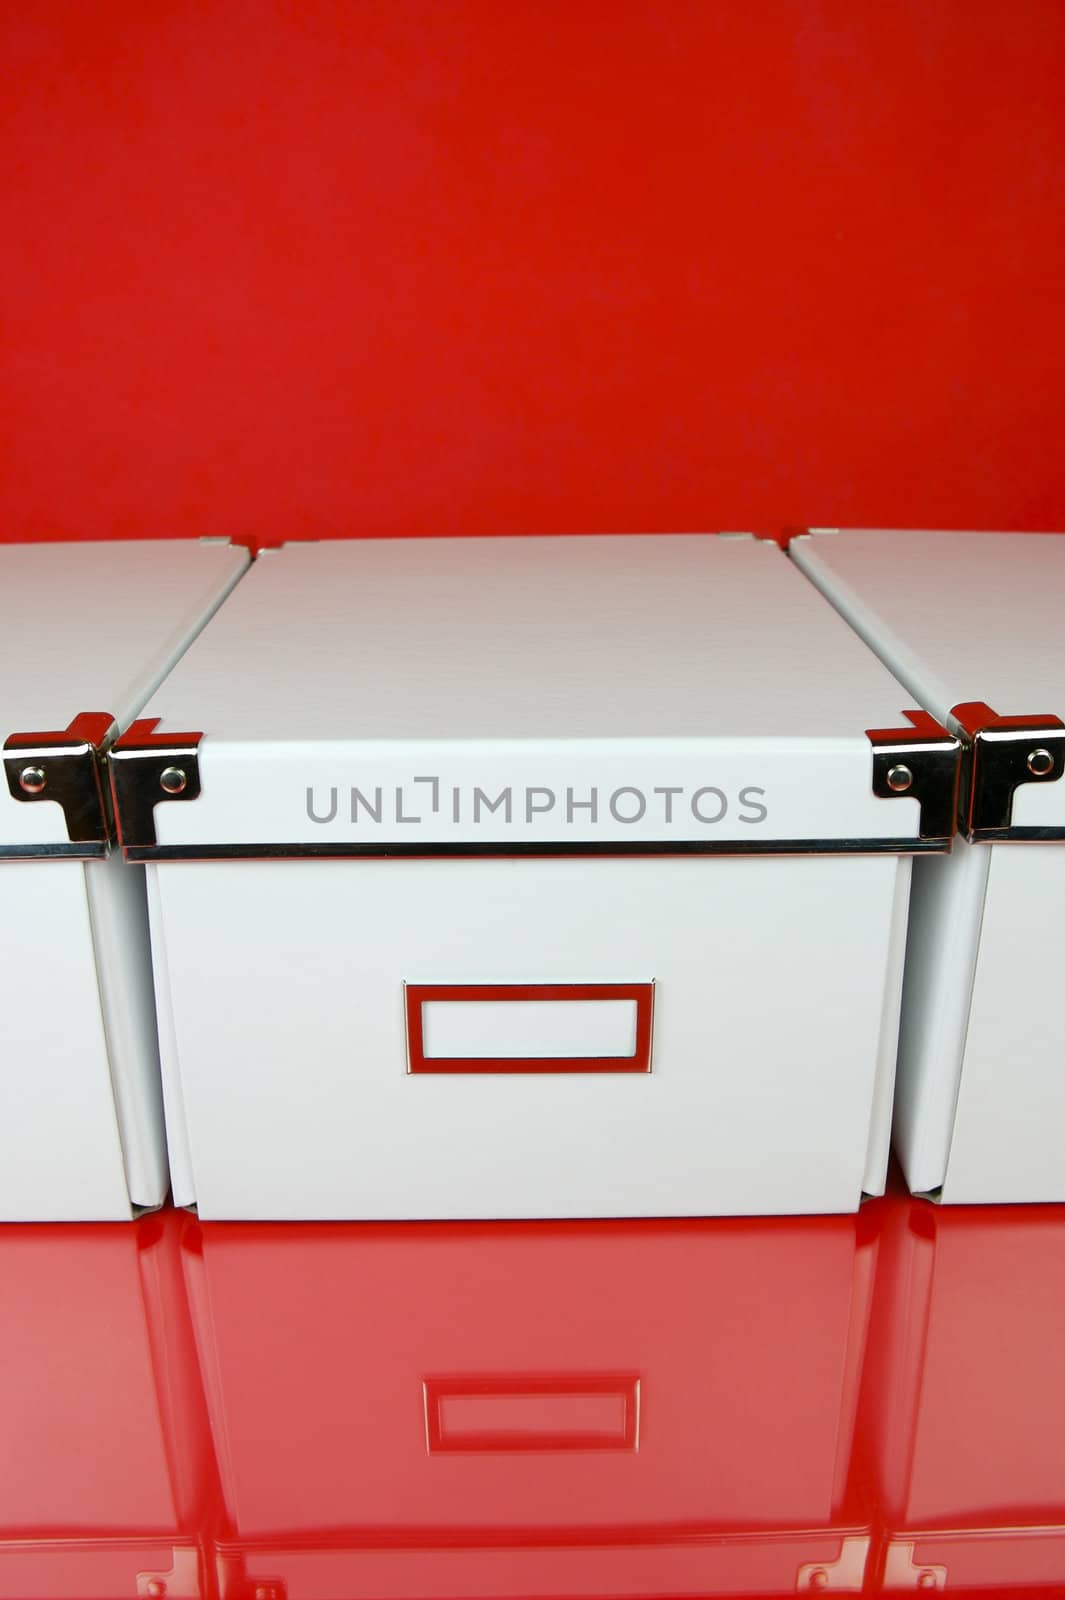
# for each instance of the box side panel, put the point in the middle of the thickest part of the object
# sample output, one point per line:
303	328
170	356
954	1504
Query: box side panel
1008	1133
294	1059
946	907
879	1147
182	1186
119	915
60	1152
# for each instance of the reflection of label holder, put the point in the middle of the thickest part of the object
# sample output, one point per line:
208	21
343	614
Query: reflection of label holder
65	767
550	1412
998	756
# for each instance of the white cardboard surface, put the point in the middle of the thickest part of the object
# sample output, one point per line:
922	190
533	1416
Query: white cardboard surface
957	617
980	1107
289	1067
84	627
1008	1132
641	689
94	627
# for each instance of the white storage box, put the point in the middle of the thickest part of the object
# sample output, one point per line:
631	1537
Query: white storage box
971	623
529	877
88	632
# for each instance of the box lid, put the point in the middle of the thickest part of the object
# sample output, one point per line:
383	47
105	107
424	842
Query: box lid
971	624
516	694
88	630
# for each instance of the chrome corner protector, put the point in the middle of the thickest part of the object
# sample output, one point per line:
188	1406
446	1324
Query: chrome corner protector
999	754
146	768
65	766
921	762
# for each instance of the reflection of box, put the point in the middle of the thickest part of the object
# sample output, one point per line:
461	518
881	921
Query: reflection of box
600	894
972	624
105	1456
966	1362
88	632
530	1409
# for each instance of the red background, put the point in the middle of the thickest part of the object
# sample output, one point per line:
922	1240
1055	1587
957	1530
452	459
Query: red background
302	269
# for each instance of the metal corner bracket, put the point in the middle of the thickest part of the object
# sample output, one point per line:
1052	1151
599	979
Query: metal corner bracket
66	766
921	762
146	768
998	755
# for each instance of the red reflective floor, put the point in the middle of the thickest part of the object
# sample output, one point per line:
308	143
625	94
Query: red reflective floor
839	1405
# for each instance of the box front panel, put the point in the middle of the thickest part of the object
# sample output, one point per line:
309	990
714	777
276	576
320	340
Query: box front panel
1008	1131
287	982
60	1153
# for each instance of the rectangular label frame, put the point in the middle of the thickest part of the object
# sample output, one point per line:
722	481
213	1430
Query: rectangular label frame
418	994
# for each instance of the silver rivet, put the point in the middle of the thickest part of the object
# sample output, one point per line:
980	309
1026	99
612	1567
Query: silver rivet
32	779
927	1579
155	1586
173	779
1040	762
819	1578
899	779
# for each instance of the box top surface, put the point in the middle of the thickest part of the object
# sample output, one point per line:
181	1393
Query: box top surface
959	618
565	664
530	639
93	628
966	616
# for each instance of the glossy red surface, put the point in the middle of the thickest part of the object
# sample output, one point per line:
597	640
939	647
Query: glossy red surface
276	269
271	1412
282	270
